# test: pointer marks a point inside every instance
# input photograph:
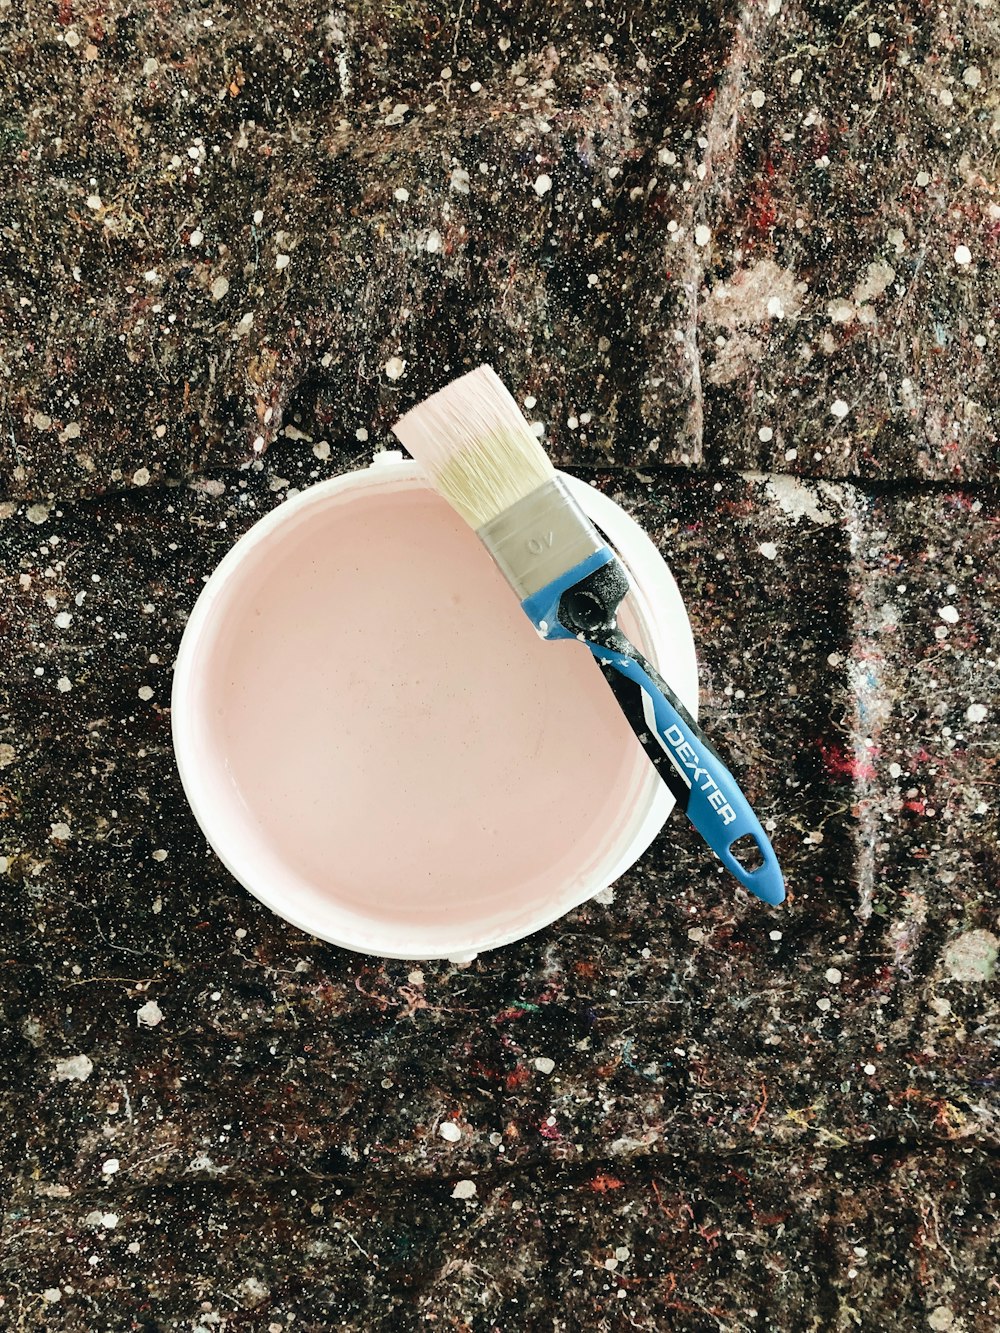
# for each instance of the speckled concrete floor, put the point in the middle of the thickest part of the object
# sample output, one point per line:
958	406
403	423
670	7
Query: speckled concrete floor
744	262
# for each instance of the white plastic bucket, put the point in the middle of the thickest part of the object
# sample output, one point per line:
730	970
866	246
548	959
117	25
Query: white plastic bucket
226	814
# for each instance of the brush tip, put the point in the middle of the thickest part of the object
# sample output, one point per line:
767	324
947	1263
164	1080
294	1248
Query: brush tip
472	439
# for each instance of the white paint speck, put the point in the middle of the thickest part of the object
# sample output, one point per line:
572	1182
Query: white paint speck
321	450
160	854
145	693
768	550
948	613
395	368
449	1131
282	261
972	956
823	1004
63	620
758	97
110	1167
963	255
60	832
869	1069
776	307
834	976
465	1189
433	242
544	1065
220	288
895	770
839	409
140	477
774	935
923	178
150	66
765	434
702	235
976	713
543	184
878	277
874	40
150	1014
941	1317
64	684
972	76
94	202
52	1295
416	977
75	1068
37	514
401	195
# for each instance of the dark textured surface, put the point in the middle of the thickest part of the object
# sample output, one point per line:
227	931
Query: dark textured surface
754	1119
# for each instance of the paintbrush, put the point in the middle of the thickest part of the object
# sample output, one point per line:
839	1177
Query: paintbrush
483	458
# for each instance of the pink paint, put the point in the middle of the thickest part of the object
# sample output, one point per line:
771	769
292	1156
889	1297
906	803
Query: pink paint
377	742
398	730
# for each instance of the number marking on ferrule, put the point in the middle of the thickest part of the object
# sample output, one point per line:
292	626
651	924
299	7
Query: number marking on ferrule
536	545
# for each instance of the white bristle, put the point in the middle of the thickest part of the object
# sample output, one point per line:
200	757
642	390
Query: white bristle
477	447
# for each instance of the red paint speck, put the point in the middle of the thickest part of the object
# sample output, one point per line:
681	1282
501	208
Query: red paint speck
601	1184
839	764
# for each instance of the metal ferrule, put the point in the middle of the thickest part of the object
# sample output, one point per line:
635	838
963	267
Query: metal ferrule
540	537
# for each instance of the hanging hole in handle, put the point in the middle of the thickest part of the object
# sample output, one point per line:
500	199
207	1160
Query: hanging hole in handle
747	851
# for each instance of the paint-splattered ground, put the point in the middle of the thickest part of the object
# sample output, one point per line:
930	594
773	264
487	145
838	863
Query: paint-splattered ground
742	264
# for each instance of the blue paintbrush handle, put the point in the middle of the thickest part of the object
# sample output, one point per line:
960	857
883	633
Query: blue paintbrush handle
714	802
582	604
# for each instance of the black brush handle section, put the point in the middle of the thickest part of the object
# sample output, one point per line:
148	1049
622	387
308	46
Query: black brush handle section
590	609
629	696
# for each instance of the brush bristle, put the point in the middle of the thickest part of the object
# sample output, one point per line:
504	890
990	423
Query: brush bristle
477	447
